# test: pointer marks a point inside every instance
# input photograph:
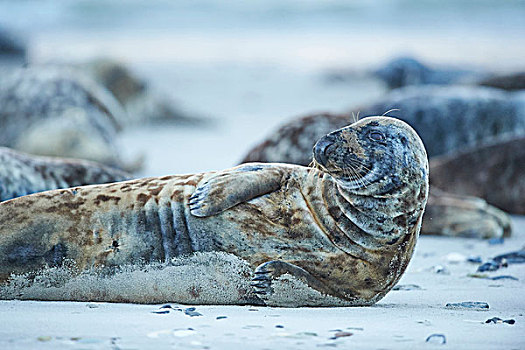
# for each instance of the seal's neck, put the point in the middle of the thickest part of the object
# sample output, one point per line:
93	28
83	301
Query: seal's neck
360	220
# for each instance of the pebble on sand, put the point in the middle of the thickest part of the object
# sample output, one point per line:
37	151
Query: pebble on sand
436	339
499	320
476	305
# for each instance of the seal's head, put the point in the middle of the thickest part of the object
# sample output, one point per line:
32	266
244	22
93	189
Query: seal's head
374	156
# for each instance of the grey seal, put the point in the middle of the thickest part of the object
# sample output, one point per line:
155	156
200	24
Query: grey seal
405	71
448	119
460	121
142	103
494	171
59	112
346	227
22	174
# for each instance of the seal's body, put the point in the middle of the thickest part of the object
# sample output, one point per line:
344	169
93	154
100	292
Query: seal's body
494	171
448	120
141	103
59	112
22	174
346	227
459	125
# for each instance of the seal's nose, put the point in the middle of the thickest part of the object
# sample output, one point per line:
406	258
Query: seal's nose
321	147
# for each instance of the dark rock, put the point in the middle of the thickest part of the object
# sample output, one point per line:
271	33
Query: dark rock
509	82
475	259
496	241
499	320
476	305
407	287
436	339
517	257
504	277
191	312
10	45
161	312
490	265
440	270
342	335
503	260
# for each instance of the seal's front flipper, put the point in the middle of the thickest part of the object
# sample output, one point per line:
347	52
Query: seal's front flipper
269	273
237	185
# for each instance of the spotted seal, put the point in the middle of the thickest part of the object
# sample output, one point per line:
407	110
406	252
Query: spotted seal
494	171
59	112
346	227
22	173
471	124
448	119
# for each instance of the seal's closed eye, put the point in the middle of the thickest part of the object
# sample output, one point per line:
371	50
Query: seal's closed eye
376	135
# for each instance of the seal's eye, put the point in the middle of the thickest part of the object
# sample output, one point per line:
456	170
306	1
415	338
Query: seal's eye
376	136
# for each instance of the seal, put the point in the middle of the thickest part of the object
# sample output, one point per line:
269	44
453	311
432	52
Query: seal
410	71
22	173
405	71
448	119
142	103
458	125
58	112
494	171
451	118
345	227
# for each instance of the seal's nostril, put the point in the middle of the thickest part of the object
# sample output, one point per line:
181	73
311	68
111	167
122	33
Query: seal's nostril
321	147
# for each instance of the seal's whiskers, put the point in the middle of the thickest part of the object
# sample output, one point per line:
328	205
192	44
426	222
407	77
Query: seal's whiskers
390	110
355	117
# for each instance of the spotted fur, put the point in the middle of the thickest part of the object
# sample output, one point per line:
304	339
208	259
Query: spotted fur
56	111
22	174
345	236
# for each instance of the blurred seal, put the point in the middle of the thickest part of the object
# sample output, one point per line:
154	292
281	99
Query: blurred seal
58	112
22	174
345	227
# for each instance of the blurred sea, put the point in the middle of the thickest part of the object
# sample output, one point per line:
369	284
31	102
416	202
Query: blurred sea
252	65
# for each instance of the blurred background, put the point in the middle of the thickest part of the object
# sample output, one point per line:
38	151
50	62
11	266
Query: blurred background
241	69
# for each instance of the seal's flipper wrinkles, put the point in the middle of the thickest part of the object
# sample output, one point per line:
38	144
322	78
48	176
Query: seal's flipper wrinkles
231	187
267	273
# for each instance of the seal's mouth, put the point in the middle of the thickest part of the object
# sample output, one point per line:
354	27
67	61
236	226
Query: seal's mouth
342	164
